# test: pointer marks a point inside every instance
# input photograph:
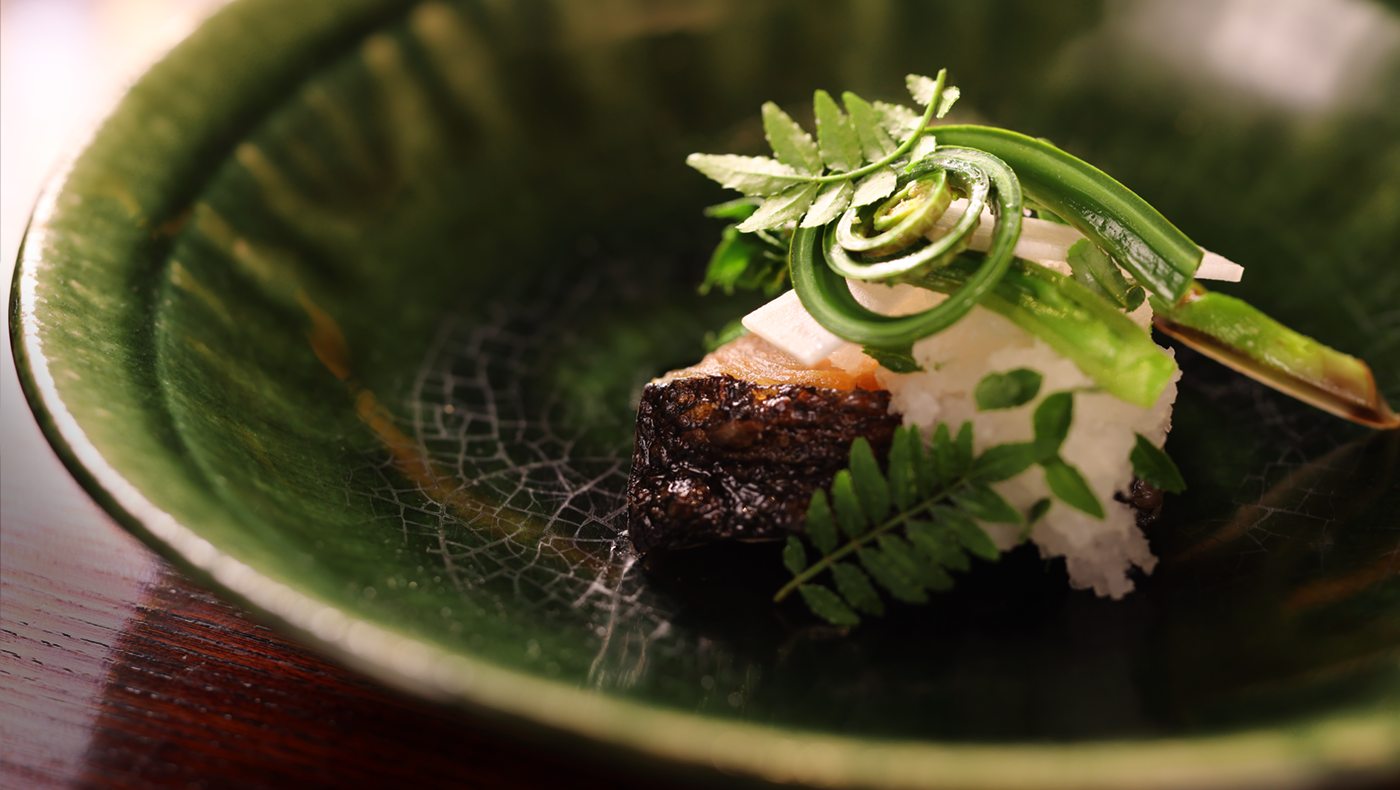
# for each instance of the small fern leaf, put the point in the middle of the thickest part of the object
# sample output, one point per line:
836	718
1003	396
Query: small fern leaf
914	565
980	501
852	582
795	555
947	100
829	203
963	446
904	488
1003	461
875	142
836	136
1155	467
968	534
850	516
1038	511
938	544
944	455
790	142
821	529
900	121
925	90
925	145
891	577
876	186
1066	483
925	471
787	206
1007	390
1035	514
1052	420
870	484
828	605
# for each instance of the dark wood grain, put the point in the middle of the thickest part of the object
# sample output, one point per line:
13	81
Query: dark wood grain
118	672
201	696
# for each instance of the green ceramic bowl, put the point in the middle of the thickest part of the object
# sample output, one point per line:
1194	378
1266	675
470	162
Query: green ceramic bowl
346	307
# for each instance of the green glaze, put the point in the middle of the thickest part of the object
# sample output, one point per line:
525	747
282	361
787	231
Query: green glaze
290	318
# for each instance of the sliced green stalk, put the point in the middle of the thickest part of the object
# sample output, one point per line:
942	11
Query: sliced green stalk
1158	255
1236	334
1079	324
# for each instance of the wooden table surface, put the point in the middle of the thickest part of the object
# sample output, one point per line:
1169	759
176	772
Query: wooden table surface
120	673
115	670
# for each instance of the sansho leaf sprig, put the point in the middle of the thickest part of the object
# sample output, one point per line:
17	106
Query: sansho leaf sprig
858	147
905	530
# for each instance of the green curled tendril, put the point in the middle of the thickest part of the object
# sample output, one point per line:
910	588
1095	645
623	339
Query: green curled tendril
972	180
904	217
828	299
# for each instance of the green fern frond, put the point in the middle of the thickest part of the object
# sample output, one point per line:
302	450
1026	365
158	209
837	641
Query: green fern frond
812	182
906	529
895	525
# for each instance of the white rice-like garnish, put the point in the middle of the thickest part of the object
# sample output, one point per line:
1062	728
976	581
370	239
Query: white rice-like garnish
1099	554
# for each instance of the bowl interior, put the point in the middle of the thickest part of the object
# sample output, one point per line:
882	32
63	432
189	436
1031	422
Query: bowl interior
369	315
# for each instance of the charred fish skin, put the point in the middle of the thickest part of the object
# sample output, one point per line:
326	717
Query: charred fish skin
717	458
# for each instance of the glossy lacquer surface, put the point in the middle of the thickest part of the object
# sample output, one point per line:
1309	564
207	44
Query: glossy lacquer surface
354	331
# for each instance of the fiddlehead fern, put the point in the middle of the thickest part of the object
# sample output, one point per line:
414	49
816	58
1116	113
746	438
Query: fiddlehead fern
817	277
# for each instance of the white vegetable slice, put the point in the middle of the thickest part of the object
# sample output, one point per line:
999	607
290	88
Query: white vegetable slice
1048	243
1216	267
784	323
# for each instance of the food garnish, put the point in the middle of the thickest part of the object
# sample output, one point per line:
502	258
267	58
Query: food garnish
883	197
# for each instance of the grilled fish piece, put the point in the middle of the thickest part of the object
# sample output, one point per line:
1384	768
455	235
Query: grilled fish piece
718	458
